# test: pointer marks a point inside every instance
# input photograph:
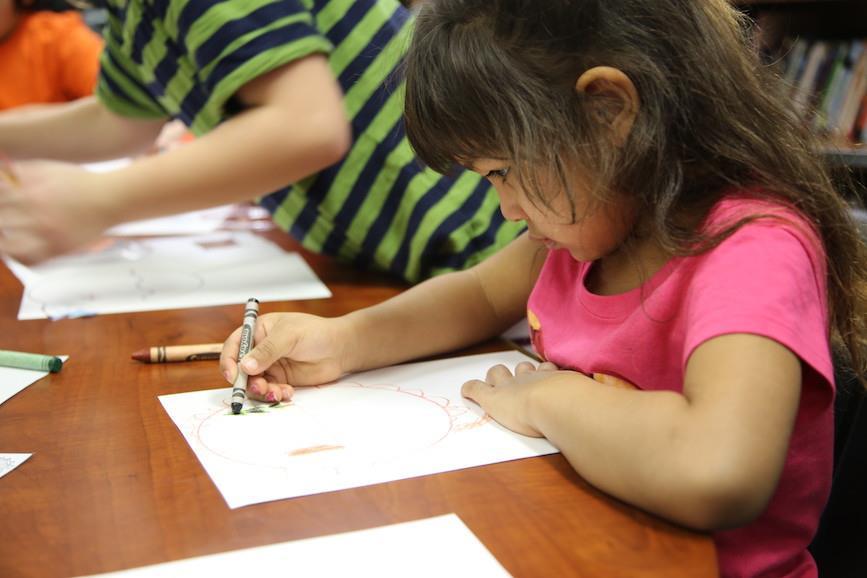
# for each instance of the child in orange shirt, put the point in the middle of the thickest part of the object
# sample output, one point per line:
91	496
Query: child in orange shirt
45	56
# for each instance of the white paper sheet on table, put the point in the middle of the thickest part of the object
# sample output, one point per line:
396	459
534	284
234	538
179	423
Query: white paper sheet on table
13	380
428	548
9	462
190	223
373	427
165	273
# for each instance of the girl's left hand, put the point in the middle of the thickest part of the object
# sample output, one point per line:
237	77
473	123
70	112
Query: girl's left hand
504	395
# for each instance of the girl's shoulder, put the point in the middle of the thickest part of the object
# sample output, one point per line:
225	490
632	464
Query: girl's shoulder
754	227
757	215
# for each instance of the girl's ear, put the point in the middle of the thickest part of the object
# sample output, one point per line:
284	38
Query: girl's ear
619	102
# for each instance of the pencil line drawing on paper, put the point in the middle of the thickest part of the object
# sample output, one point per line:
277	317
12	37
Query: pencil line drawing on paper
84	292
378	426
314	449
316	421
165	273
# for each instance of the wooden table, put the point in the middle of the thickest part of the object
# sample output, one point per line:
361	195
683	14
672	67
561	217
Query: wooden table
112	483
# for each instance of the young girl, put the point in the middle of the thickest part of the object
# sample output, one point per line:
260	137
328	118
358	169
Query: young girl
683	241
281	92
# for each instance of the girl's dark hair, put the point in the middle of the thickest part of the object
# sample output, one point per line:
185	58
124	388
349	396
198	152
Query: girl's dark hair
496	79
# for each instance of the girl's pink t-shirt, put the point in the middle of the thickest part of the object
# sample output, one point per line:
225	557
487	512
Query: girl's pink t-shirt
768	279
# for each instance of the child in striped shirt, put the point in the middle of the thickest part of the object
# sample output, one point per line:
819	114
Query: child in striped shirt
296	102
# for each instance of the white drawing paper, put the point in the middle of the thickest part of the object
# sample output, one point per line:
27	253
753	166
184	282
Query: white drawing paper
427	548
368	428
13	380
9	462
189	223
165	273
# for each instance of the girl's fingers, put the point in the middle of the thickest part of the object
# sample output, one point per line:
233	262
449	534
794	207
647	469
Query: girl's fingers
476	390
229	356
263	355
258	387
277	392
497	373
524	367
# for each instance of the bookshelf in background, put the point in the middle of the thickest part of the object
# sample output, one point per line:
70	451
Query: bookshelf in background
820	47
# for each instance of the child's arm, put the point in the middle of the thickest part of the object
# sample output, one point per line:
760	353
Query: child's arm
441	314
79	131
451	311
709	458
295	126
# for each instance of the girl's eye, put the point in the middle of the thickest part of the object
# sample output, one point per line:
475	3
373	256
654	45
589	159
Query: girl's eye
498	173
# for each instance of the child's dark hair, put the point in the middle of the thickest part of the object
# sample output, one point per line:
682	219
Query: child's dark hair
496	79
47	5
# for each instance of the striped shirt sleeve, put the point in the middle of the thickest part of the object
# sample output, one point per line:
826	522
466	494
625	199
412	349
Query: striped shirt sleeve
119	87
188	58
231	43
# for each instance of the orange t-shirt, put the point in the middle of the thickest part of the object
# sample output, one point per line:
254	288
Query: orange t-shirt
49	57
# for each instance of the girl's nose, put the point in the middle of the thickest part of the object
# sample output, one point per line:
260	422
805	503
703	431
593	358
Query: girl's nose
510	206
511	209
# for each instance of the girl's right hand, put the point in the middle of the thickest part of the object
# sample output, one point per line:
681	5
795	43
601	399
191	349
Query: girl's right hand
291	349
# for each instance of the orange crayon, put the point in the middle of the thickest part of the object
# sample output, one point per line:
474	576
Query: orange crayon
173	353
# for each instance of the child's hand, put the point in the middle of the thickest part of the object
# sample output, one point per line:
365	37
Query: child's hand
290	349
49	208
503	395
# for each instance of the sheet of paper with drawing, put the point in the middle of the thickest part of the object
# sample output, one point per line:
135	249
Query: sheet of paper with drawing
165	273
368	428
13	380
428	548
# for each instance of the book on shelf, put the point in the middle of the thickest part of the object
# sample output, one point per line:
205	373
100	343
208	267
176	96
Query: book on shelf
829	85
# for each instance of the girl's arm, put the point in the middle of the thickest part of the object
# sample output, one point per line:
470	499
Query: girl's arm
708	459
441	314
448	312
78	131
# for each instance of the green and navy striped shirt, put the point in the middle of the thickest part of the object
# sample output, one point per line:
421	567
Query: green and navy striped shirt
378	207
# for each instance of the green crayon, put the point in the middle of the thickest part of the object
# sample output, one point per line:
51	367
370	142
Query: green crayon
35	361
